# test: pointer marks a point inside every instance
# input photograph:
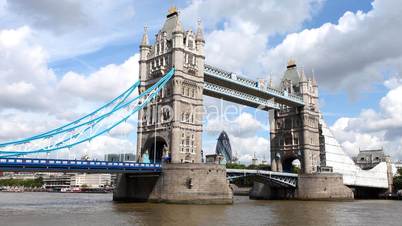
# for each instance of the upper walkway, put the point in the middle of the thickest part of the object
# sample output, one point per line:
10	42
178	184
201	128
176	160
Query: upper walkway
231	87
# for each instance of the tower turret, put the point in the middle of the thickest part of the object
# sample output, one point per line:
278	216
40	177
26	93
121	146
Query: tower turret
144	51
199	38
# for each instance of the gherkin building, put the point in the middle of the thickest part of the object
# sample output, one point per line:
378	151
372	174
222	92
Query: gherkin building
223	147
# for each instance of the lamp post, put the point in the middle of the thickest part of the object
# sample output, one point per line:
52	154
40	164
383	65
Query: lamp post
156	121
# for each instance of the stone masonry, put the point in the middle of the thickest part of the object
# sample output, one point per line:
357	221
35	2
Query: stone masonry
295	130
175	118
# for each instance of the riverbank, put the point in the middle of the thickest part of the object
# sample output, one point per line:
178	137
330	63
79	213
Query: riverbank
65	190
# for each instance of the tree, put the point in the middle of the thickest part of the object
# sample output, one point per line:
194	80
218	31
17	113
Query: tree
235	166
398	180
295	169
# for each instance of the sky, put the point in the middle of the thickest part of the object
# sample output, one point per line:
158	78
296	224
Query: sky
62	59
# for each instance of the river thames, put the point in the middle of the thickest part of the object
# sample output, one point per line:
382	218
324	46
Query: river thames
49	209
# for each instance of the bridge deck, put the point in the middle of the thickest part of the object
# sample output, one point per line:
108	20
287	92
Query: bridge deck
265	172
81	166
280	179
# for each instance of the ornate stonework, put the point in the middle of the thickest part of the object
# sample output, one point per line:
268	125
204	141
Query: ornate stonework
295	131
175	118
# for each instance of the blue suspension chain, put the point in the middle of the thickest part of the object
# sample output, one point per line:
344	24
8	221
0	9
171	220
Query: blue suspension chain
160	84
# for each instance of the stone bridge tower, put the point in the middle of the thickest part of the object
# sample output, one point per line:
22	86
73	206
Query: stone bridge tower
295	131
172	124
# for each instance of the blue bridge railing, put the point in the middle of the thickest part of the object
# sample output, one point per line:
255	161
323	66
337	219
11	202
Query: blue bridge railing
66	165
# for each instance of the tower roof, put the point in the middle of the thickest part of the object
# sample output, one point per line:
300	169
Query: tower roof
291	73
172	23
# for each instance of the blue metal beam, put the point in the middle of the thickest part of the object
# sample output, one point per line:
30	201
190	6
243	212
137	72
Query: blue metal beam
82	166
232	81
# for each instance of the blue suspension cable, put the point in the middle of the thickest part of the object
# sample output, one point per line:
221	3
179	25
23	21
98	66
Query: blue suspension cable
162	82
62	128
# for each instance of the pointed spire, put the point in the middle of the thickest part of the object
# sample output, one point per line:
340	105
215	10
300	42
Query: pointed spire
178	28
144	41
314	80
302	76
200	34
270	80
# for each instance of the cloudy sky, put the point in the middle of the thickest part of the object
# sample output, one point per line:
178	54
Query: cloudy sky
61	59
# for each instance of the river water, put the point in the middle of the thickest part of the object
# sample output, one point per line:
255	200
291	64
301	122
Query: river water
61	209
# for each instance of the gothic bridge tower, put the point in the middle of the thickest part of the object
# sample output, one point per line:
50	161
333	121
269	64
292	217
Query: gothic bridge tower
172	124
295	131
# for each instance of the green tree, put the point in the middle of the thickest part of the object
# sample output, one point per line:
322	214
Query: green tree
398	180
235	166
295	169
28	183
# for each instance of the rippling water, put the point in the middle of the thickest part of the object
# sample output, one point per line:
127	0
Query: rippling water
98	209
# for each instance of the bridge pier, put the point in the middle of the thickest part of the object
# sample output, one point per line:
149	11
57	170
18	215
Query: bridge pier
322	186
317	186
178	183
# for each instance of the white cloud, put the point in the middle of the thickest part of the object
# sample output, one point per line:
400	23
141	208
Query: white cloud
268	16
59	16
350	54
247	147
33	99
106	83
18	124
24	72
373	129
242	40
243	125
70	28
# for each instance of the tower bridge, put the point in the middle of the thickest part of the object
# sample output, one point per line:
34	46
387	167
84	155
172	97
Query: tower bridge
173	80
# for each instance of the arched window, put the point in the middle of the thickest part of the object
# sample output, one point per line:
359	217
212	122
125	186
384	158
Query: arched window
190	43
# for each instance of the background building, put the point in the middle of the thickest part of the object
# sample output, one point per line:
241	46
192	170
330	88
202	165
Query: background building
56	181
91	180
126	157
368	159
223	147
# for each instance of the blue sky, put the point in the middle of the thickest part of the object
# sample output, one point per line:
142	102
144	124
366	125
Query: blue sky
73	45
329	12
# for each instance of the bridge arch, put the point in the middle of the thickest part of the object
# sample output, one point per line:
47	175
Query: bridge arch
289	163
155	147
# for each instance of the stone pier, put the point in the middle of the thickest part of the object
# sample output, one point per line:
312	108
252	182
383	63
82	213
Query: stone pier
317	186
179	183
322	186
